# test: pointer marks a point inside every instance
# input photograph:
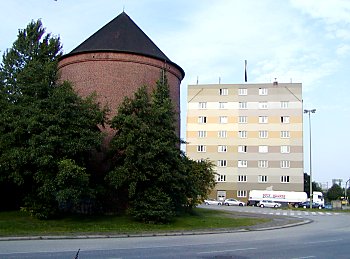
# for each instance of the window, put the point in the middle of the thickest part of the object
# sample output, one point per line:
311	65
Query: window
242	178
223	119
242	134
222	134
284	104
284	119
222	105
262	178
223	91
221	178
242	149
263	149
242	163
201	148
285	179
242	119
263	134
202	105
285	134
285	149
202	119
222	148
285	164
263	105
241	193
202	134
263	164
222	163
242	91
242	105
263	119
262	91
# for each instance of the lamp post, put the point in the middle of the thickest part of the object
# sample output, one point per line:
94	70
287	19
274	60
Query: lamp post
309	113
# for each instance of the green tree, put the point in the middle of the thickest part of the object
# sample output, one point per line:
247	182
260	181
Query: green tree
147	157
315	186
42	124
335	192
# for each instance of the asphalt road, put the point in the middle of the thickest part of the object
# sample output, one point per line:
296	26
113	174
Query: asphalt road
328	236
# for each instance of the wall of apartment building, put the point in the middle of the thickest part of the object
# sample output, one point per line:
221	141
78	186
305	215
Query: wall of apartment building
274	109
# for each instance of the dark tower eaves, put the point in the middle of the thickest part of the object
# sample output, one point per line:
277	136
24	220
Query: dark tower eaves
122	35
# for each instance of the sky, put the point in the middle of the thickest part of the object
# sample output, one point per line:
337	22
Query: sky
299	41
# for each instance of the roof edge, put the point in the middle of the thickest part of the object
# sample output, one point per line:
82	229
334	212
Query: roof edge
126	52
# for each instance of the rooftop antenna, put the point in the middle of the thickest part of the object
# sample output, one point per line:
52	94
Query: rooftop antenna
123	8
245	71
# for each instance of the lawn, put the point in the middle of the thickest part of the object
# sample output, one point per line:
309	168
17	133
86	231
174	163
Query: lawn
19	223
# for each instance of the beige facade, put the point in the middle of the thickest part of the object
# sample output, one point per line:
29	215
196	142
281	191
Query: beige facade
253	134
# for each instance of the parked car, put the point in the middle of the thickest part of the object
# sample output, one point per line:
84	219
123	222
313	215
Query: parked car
233	202
328	206
306	204
211	202
269	204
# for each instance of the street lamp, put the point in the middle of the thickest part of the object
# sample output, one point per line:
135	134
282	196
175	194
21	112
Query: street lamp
309	112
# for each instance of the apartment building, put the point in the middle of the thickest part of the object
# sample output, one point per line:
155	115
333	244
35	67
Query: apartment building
253	134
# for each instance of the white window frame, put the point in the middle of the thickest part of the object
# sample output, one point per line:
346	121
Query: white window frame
222	105
285	134
285	119
284	104
202	119
242	149
222	148
242	134
263	91
242	163
263	164
263	119
223	119
263	105
221	178
201	148
241	178
262	179
222	163
285	179
242	91
285	149
243	105
202	134
223	91
202	105
222	133
285	164
241	193
242	119
263	149
263	134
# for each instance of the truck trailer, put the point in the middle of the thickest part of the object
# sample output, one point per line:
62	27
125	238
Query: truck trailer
283	197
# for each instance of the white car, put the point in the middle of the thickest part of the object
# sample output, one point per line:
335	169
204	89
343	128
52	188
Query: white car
269	204
211	202
233	202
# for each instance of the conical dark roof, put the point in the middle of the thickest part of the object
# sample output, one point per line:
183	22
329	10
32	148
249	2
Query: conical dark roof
122	35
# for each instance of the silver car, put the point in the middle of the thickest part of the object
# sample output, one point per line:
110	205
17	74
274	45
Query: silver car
211	202
231	201
269	204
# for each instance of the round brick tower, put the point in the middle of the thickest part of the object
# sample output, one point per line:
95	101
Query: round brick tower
115	61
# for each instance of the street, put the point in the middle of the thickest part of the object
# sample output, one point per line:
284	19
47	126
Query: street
328	236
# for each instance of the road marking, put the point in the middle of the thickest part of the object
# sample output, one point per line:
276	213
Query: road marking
224	251
304	257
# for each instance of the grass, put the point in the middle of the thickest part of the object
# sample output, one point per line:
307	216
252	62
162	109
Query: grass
19	223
